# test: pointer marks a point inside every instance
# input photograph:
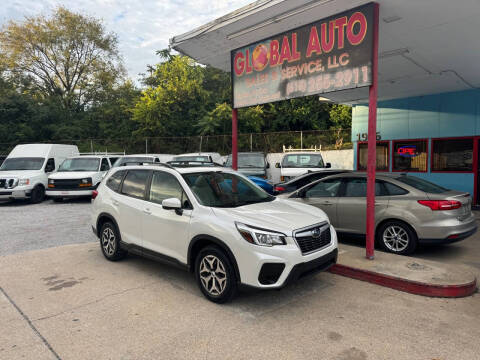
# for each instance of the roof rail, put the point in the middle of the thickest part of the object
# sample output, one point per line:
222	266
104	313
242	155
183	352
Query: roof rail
105	153
146	163
192	163
312	149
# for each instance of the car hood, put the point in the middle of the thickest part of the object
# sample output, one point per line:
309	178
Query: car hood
72	175
20	174
279	215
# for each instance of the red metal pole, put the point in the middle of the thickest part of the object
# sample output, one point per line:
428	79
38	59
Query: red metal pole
372	141
234	140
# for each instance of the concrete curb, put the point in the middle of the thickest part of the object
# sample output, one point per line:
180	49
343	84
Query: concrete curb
409	286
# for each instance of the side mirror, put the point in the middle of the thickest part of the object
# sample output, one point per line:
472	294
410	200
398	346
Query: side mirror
172	204
277	165
268	165
49	168
328	165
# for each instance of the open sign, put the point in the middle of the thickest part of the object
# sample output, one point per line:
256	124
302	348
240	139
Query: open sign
407	151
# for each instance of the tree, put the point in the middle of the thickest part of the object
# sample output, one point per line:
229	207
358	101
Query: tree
68	56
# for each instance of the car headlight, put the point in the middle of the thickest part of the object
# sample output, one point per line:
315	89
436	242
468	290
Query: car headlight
259	236
51	181
23	182
85	182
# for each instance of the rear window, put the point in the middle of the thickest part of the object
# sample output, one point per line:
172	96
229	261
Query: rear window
422	185
303	161
115	180
135	183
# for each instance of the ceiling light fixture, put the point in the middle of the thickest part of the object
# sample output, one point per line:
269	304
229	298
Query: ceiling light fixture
278	18
390	19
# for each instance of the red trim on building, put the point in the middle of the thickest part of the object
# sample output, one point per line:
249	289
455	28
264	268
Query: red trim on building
378	142
452	171
412	287
406	141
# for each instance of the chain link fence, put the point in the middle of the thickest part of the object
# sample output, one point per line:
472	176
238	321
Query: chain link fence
272	142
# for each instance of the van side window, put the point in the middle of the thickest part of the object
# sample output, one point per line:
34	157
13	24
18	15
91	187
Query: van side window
135	183
115	180
104	166
50	166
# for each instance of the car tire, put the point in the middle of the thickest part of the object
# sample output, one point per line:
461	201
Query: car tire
110	242
215	275
38	194
397	237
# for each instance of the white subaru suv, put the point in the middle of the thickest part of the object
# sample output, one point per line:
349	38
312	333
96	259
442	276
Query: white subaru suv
214	222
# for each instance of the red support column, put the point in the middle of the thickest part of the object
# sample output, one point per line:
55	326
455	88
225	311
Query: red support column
234	140
372	141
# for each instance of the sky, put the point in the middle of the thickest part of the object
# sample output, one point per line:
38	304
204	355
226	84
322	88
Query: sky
142	27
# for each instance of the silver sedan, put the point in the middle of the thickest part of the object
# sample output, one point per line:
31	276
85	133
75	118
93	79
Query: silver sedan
408	210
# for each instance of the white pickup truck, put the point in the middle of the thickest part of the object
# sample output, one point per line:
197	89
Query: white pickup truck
294	164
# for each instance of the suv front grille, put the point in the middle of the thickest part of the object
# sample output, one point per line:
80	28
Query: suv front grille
313	238
2	183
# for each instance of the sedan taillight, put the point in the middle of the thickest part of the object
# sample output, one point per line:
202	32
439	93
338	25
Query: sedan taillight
279	188
441	204
94	194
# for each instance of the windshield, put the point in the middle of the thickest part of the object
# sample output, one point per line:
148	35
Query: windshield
302	161
219	189
192	158
22	163
80	164
248	161
422	185
132	159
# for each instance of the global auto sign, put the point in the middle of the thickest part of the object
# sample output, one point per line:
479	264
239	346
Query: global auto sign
329	55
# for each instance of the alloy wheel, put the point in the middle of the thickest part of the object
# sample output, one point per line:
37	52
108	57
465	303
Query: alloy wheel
108	241
396	238
212	275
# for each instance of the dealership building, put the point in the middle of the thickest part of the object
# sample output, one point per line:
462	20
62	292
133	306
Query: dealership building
428	118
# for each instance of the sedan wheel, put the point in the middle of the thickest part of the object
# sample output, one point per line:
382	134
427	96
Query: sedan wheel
397	237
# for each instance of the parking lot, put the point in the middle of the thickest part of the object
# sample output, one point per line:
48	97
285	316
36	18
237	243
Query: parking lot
62	299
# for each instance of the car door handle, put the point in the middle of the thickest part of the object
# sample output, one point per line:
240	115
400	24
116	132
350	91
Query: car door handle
147	211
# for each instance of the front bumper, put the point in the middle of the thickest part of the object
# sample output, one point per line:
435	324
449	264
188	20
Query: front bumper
54	193
12	194
291	264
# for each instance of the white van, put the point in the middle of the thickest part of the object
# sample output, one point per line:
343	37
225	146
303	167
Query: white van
78	176
294	164
24	173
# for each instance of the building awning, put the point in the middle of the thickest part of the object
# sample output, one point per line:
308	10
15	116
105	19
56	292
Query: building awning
425	46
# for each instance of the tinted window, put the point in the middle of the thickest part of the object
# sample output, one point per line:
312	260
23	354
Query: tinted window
105	166
135	183
452	155
220	189
302	161
165	186
327	188
382	156
422	185
410	155
114	181
357	187
22	164
50	166
394	189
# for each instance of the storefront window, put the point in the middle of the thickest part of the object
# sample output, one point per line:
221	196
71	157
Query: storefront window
382	156
410	155
452	155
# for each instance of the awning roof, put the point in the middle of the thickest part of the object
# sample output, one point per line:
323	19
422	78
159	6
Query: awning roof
426	46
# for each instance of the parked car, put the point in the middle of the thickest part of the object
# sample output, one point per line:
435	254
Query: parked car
24	173
250	164
263	183
206	157
298	163
136	159
302	180
77	176
213	222
408	210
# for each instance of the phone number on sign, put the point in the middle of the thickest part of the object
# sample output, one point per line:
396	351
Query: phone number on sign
322	83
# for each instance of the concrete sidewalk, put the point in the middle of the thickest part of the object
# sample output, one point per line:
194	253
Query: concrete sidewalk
71	303
410	274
